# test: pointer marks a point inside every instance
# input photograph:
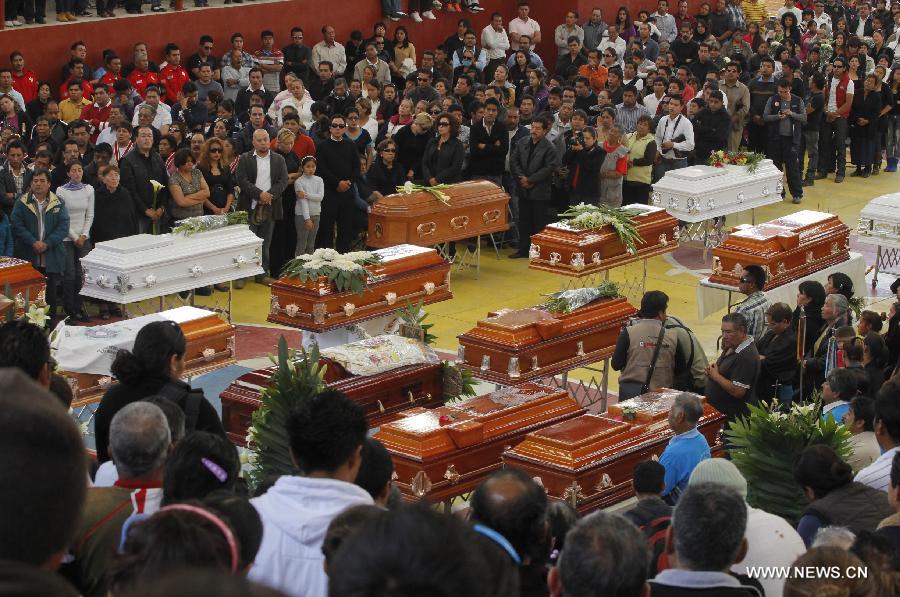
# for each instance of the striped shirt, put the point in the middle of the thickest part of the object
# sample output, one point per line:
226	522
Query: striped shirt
878	474
754	309
627	117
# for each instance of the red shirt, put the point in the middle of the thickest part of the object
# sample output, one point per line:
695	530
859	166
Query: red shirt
26	84
303	146
109	80
98	117
139	80
621	163
173	79
85	84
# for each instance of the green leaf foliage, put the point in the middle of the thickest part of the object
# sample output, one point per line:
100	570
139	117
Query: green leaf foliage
415	315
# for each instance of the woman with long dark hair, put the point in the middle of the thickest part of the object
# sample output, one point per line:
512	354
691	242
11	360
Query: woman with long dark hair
875	360
624	24
155	365
811	296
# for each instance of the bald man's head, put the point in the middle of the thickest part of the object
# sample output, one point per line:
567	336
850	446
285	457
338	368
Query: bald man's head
261	141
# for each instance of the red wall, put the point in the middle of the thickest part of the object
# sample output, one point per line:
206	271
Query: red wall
185	28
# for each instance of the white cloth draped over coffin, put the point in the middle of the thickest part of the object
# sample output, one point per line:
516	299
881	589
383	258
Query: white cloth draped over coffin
379	354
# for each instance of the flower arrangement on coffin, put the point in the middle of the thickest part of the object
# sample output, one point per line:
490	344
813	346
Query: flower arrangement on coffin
157	187
589	217
298	377
566	301
189	226
346	272
34	312
765	446
741	157
437	191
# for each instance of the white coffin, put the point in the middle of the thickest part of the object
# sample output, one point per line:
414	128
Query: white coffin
698	193
145	266
879	222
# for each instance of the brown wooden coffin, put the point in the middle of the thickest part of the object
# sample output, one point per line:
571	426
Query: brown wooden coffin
476	208
441	453
561	249
210	346
589	461
21	283
515	346
407	273
788	248
382	396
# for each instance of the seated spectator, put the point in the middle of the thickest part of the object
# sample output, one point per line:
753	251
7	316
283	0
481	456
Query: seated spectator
243	519
835	498
834	536
874	361
845	582
604	555
139	442
648	483
860	422
154	366
24	346
771	540
200	464
512	504
889	528
706	538
687	449
42	509
343	526
778	357
376	471
326	437
887	432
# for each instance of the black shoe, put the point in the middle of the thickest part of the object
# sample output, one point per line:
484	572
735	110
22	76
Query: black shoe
839	178
821	175
857	172
865	174
41	21
83	317
517	256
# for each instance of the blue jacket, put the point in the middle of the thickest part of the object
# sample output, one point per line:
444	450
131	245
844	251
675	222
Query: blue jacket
6	239
24	222
684	452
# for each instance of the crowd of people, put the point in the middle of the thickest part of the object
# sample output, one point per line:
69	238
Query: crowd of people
305	139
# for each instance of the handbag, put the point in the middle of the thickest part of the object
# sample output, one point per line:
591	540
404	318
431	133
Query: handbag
662	331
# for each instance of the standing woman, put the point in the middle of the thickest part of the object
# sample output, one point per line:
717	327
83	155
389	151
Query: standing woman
810	296
388	105
79	200
444	154
13	118
115	216
884	116
536	87
624	24
864	115
641	155
403	50
518	73
892	136
218	177
364	142
501	80
364	106
187	187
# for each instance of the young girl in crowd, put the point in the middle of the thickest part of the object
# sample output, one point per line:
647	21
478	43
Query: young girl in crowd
310	191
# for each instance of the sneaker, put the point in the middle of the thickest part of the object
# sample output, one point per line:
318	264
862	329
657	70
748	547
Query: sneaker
436	4
9	24
797	200
429	15
400	14
475	8
839	178
393	17
157	9
415	16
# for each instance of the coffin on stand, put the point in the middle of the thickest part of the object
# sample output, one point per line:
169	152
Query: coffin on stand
514	346
476	208
445	452
407	273
787	248
561	249
143	266
879	222
589	461
382	395
699	193
85	354
22	284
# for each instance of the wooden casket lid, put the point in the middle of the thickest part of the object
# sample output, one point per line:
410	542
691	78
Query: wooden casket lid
196	322
15	271
422	202
639	213
651	407
419	431
787	232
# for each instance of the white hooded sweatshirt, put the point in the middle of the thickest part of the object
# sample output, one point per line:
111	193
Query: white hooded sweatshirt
295	513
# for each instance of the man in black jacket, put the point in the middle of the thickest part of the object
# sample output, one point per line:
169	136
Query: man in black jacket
139	170
785	116
532	163
338	165
711	127
242	102
778	353
323	84
489	143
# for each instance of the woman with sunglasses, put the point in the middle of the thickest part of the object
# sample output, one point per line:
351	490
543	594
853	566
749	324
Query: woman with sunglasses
154	366
386	174
443	159
218	178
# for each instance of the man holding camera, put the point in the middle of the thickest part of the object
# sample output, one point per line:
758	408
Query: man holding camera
674	137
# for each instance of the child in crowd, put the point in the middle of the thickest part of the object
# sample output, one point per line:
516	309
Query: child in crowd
310	191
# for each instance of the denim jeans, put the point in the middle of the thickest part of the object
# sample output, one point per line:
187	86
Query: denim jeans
809	144
892	137
72	278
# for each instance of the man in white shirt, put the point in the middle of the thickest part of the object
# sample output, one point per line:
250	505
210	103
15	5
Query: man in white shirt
330	50
822	18
860	422
651	100
565	31
887	432
613	41
665	22
382	71
674	136
163	113
523	25
495	43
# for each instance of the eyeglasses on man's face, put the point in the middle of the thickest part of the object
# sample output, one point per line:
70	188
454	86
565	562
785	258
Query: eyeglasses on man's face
338	125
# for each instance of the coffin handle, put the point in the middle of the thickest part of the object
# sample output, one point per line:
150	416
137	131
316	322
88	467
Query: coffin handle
426	229
491	216
380	406
459	222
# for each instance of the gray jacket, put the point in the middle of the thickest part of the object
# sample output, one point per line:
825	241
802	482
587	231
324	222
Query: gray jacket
246	178
537	164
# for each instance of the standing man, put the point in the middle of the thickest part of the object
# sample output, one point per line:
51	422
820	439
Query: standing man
629	111
203	56
330	50
594	30
532	164
523	25
738	96
270	61
833	133
40	224
97	114
674	137
731	380
382	71
785	115
815	106
338	165
262	176
711	128
296	56
489	144
495	43
242	103
24	80
761	89
139	169
668	29
173	76
568	29
754	307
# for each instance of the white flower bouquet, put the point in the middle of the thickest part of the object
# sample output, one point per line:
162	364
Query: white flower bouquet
347	271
